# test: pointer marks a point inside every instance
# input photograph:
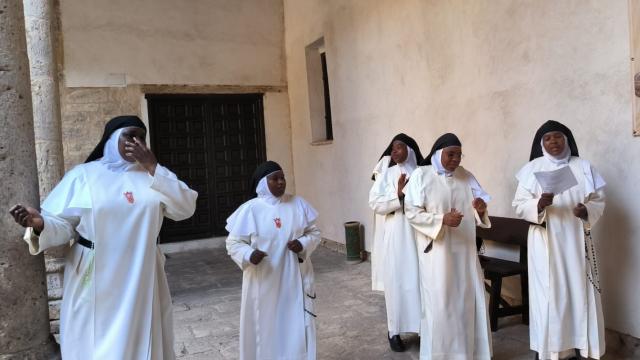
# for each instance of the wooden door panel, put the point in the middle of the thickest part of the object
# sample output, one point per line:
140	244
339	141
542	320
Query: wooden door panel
213	143
177	130
235	120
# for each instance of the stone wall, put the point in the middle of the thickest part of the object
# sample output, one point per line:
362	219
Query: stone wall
85	111
54	266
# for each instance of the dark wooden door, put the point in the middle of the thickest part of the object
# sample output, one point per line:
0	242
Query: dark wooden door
213	143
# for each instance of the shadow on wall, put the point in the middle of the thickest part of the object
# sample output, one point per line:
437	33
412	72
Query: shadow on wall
615	256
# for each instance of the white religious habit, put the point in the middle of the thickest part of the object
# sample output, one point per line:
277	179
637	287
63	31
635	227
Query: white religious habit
397	248
565	310
377	253
277	312
454	322
116	302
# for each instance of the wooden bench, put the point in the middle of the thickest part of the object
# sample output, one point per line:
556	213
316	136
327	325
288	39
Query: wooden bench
506	231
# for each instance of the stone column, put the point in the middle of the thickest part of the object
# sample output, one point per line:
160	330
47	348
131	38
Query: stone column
44	92
39	19
24	325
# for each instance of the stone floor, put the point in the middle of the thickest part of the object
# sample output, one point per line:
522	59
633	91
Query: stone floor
206	286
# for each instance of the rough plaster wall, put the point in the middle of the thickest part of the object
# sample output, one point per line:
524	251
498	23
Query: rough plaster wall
203	42
278	133
490	71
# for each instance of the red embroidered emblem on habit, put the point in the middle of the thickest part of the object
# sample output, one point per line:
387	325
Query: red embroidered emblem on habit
278	222
129	196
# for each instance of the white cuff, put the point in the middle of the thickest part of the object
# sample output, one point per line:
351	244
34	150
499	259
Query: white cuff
247	257
33	240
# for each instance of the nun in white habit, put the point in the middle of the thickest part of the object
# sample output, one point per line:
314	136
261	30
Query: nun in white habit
116	302
395	252
271	238
445	203
377	253
565	311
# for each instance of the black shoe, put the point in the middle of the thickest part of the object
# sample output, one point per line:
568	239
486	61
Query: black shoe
578	356
396	343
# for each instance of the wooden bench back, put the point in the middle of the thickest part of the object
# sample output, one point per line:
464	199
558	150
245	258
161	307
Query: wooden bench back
505	230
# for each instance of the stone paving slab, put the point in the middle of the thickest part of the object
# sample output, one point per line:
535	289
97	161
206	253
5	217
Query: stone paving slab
206	289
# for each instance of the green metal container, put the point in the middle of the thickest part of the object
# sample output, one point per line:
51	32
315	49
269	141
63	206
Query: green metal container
353	241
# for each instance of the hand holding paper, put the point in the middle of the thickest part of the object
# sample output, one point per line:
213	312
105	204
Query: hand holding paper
556	181
546	199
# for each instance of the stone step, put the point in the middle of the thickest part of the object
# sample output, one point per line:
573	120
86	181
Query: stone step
55	285
55	326
54	265
54	294
54	309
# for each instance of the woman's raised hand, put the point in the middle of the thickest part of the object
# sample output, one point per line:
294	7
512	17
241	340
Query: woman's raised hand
27	217
142	154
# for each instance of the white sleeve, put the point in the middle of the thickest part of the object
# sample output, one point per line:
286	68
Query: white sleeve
595	207
483	222
526	206
240	250
309	240
58	230
383	196
427	223
178	199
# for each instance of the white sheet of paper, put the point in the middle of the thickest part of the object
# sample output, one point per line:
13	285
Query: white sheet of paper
556	181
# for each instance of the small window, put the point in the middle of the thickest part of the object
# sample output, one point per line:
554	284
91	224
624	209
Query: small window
319	94
327	97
